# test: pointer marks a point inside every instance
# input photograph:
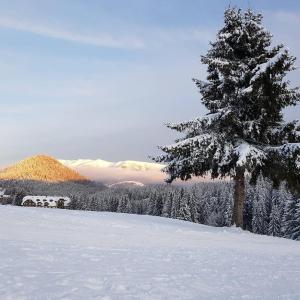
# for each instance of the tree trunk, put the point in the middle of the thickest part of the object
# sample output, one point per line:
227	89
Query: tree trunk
239	197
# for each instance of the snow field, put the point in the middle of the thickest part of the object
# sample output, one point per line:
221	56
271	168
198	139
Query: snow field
62	254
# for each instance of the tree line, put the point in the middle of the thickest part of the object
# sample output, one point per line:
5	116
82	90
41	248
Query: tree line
267	210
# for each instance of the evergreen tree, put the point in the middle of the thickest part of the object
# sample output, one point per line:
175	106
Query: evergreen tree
176	203
129	207
227	203
292	219
152	203
213	216
248	207
296	230
184	209
167	208
284	197
244	130
123	201
275	221
18	197
193	206
203	207
158	205
259	213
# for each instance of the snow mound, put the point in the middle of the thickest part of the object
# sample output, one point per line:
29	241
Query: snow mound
126	184
63	254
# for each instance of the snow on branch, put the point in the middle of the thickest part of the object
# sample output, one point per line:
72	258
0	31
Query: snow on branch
196	124
249	153
289	150
261	69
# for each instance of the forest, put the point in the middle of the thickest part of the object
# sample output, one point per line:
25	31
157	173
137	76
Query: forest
267	210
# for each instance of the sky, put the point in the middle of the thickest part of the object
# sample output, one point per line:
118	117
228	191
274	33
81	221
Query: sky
99	79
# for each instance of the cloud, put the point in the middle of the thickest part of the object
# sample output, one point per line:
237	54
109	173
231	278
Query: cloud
139	37
100	40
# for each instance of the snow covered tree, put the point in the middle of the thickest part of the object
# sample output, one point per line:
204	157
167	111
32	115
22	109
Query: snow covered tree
285	197
292	219
259	221
129	207
259	213
275	221
167	207
193	206
203	207
176	203
296	231
248	206
276	214
227	201
123	202
184	208
243	131
152	204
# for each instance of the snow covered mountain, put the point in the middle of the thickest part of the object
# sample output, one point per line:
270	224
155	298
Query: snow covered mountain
63	254
115	172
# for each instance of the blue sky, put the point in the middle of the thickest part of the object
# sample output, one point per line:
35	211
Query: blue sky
98	79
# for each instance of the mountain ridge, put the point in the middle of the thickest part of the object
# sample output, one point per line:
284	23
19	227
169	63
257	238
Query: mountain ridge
113	172
126	164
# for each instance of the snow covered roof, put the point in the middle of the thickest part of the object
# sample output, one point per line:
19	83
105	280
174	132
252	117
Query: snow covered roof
2	193
49	201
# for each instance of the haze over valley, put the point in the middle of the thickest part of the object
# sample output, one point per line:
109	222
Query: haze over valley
111	172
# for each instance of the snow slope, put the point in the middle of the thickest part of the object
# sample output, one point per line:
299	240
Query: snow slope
126	184
62	254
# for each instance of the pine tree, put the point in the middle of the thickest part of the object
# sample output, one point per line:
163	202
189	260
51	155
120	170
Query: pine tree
203	207
284	197
296	230
167	208
158	205
213	212
292	219
227	203
129	207
275	221
152	204
193	206
176	203
184	209
123	201
259	213
244	130
248	207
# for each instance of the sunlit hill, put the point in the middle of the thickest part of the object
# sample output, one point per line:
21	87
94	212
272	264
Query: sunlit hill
40	168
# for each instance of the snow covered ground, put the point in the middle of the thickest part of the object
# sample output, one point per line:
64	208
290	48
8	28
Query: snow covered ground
62	254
